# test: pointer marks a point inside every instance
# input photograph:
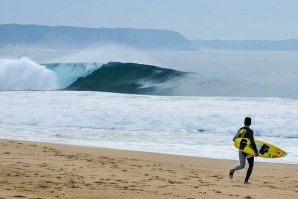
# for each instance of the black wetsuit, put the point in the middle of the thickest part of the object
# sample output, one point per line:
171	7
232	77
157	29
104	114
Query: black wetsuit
246	132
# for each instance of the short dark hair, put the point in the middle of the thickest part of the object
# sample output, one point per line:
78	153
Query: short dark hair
247	121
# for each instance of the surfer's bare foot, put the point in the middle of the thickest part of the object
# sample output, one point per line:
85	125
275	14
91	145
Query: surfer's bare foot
231	173
246	182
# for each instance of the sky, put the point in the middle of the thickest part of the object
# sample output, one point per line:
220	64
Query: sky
195	19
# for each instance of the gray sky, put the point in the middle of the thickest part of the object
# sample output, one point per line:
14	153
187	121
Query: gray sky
204	19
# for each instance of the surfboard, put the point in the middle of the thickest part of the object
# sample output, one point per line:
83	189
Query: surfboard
266	150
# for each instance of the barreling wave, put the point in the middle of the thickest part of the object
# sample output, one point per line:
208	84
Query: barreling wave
134	78
130	78
68	73
118	77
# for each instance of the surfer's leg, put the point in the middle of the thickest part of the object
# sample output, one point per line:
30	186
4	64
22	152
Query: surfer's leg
242	160
250	168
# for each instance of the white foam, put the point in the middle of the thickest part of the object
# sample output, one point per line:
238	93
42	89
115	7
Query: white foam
24	74
199	126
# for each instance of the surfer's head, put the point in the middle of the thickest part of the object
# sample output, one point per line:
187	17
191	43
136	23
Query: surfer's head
247	121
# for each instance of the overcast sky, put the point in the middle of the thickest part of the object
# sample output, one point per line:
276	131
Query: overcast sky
204	19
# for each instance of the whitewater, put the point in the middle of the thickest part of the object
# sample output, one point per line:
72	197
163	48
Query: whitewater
196	126
145	108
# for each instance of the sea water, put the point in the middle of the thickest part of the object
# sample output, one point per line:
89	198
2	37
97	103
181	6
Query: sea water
155	109
194	126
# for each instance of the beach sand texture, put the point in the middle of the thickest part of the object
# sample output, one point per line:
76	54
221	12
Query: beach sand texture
40	170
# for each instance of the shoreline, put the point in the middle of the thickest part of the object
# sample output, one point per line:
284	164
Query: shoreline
46	170
151	152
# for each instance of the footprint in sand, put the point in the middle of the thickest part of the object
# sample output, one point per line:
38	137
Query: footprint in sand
216	191
174	182
248	197
216	176
272	187
186	178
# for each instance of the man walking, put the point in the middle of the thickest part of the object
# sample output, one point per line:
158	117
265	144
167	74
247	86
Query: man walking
245	132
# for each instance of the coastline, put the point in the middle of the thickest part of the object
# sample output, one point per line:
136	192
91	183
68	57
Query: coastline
44	170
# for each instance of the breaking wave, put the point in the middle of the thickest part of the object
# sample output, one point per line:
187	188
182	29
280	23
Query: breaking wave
118	77
25	74
129	78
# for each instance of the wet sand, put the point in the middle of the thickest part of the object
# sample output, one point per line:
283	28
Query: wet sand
40	170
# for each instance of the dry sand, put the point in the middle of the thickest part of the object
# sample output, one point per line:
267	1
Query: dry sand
39	170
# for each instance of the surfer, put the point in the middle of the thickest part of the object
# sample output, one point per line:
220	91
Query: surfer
245	132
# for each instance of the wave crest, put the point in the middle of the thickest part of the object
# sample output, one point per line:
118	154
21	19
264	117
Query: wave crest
118	77
129	78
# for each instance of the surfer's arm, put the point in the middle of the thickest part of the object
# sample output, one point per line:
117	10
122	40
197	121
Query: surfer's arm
253	144
235	136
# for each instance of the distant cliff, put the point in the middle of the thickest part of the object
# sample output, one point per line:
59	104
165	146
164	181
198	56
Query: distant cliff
76	38
64	37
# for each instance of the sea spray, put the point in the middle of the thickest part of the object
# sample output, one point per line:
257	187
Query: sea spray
25	74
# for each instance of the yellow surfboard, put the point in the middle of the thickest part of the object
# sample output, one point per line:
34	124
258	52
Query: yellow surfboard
266	150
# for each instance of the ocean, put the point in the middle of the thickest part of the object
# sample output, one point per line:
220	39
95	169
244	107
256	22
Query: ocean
151	106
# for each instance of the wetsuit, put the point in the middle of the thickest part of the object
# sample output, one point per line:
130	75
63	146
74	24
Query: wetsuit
246	132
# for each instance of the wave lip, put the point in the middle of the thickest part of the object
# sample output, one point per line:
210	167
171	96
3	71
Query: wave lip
68	73
129	78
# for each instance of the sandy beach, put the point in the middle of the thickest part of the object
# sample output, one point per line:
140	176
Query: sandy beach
40	170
